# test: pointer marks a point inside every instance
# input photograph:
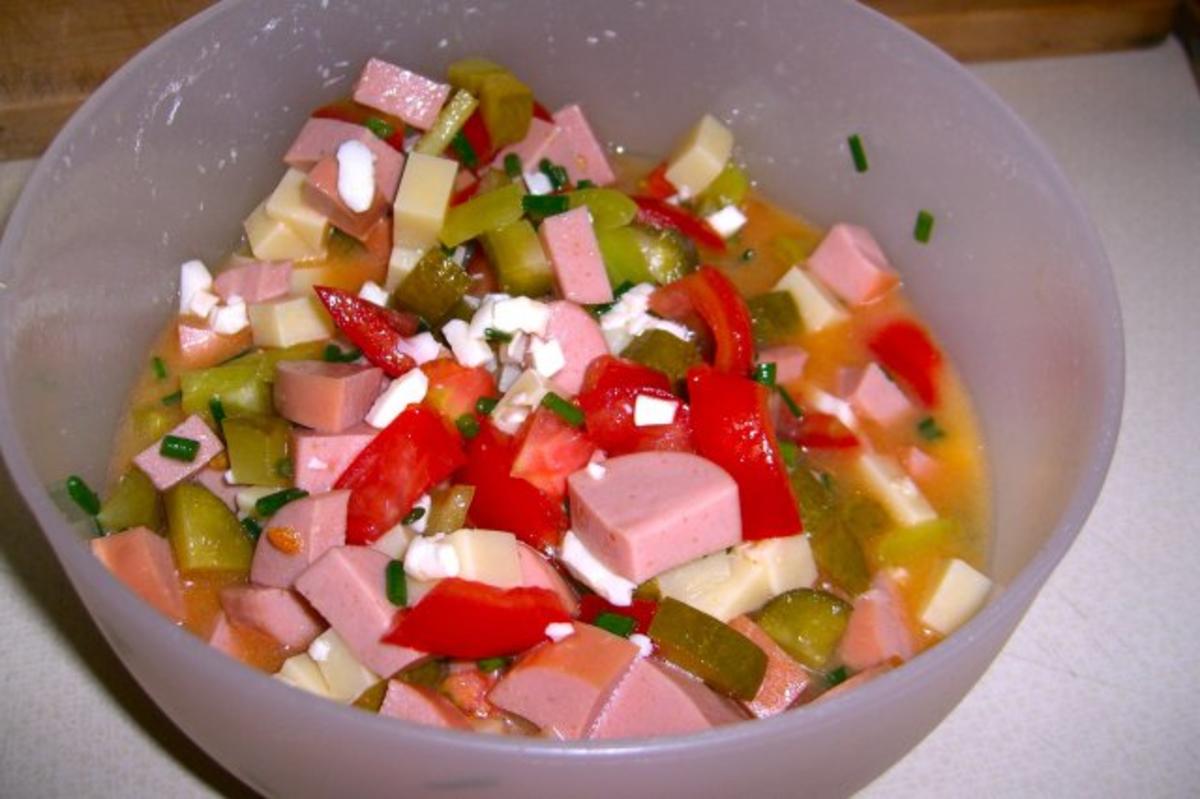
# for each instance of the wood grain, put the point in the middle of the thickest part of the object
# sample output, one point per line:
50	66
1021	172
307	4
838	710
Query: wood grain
53	53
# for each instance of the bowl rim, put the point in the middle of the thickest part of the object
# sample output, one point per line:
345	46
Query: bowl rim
1020	592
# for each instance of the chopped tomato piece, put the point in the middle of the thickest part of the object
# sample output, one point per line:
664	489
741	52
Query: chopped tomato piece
464	619
549	450
732	428
711	296
373	329
348	110
660	214
454	389
408	457
904	349
610	389
504	502
656	184
641	611
476	134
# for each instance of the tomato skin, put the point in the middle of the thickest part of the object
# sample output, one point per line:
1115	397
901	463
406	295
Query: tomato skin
709	294
465	619
408	457
549	450
732	428
661	214
641	611
348	110
376	331
504	502
610	389
454	389
905	349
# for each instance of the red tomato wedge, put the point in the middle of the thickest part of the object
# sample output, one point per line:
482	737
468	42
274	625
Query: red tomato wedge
905	349
661	214
641	611
454	389
549	450
356	113
732	428
464	619
373	329
504	502
610	389
408	457
709	294
656	184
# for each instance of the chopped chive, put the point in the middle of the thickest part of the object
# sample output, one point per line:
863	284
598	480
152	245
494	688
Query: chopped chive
791	404
748	254
252	528
837	676
489	665
159	366
929	429
380	128
82	495
178	448
764	373
485	405
497	336
924	227
544	205
284	468
826	480
566	410
397	584
790	453
620	290
615	623
468	425
858	153
270	504
174	398
557	175
464	150
512	165
334	354
217	409
413	516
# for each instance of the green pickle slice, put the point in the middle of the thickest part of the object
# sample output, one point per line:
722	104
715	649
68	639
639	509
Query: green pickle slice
836	527
669	254
609	208
134	502
489	211
258	446
448	509
775	318
622	255
665	352
520	262
204	533
238	385
807	624
434	286
726	660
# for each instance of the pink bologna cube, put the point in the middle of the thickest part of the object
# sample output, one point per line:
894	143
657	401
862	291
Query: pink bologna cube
320	138
276	612
581	341
920	465
329	397
657	699
214	481
256	281
223	638
317	522
200	346
531	149
652	511
396	91
578	150
347	586
318	459
165	472
142	560
784	681
421	706
789	362
878	631
571	244
321	193
849	261
538	572
875	396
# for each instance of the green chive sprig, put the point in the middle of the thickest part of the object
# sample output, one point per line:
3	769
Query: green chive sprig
178	448
566	410
82	495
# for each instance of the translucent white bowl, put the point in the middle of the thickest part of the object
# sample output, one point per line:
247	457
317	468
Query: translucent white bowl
165	160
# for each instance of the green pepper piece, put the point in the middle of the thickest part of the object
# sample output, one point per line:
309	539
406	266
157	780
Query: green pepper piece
775	318
371	699
902	546
152	422
448	508
433	287
237	385
808	624
623	259
257	445
669	254
835	546
449	122
713	651
665	352
485	212
519	260
428	674
133	503
728	188
204	533
609	208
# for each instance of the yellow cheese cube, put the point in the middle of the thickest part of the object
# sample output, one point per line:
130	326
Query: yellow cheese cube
345	676
487	556
701	156
401	262
301	671
286	204
421	200
722	585
272	240
818	308
689	582
283	323
959	594
787	563
892	486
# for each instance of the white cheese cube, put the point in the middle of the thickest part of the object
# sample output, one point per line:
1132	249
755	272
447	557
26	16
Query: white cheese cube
230	318
959	594
394	543
700	157
787	563
272	240
721	585
282	323
468	350
509	374
591	572
728	221
431	558
689	582
818	308
345	676
194	278
547	357
356	175
558	630
519	401
650	411
487	556
892	486
421	201
400	263
408	389
374	293
301	671
286	204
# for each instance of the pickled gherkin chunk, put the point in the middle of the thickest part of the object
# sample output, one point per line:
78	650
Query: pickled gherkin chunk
449	122
728	188
134	502
665	352
775	318
713	651
204	533
807	624
506	104
448	509
609	208
835	540
484	212
238	385
433	287
519	260
621	252
258	446
903	546
669	254
153	421
371	699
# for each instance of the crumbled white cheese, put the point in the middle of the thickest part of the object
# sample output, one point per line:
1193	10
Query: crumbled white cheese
193	277
538	183
519	400
643	643
319	649
508	376
521	313
650	411
596	470
630	316
408	389
558	630
431	559
547	356
590	571
727	221
203	303
422	348
424	503
228	477
513	351
373	292
356	175
468	350
229	318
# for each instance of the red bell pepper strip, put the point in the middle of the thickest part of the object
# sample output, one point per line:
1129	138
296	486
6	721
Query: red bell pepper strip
541	113
904	349
656	184
610	389
548	451
732	428
408	457
469	620
476	134
709	293
373	329
657	213
348	110
642	611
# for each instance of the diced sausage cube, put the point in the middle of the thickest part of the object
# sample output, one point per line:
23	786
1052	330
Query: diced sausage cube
318	459
538	572
142	560
562	686
860	679
581	341
315	523
789	362
321	192
214	481
785	680
658	699
570	242
165	472
328	397
531	149
920	465
421	706
276	612
651	511
396	91
850	262
320	138
256	281
347	586
878	630
200	346
223	638
873	395
578	150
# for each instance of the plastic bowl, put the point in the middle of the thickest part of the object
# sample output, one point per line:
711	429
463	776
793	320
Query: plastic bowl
165	160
